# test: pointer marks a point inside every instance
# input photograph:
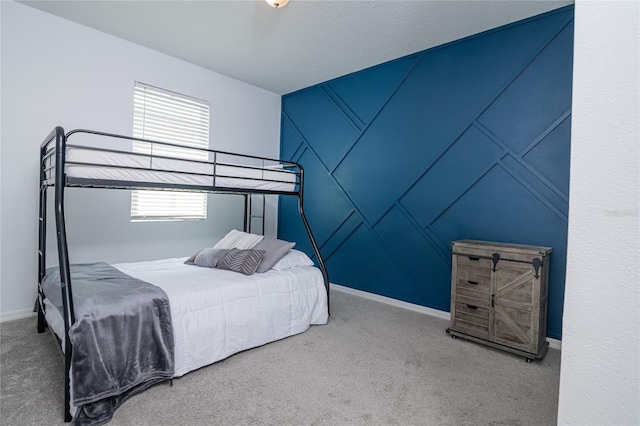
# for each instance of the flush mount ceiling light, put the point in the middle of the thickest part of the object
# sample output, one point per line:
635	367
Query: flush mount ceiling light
277	3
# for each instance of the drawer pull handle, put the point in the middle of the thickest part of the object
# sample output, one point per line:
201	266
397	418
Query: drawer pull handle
472	282
471	306
475	259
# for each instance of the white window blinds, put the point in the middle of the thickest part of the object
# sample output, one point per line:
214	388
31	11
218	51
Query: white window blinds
169	117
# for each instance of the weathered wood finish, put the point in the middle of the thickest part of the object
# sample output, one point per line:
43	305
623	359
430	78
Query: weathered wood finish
505	307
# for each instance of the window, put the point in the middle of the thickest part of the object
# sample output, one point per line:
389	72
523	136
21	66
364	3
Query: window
169	117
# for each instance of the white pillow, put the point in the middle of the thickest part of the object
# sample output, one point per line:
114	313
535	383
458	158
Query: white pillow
291	260
238	239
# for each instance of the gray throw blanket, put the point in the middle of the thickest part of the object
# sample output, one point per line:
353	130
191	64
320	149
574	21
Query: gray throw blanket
122	339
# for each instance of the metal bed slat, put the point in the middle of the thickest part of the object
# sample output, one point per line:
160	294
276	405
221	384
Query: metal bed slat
182	172
109	184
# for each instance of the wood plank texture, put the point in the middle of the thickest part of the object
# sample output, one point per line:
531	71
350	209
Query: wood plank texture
498	297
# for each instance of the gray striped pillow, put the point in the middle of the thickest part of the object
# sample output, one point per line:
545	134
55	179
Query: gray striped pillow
243	261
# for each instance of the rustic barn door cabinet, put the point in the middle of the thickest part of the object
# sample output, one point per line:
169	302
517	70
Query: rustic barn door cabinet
499	295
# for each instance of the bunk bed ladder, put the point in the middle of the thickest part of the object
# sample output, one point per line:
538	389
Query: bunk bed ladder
314	244
63	252
250	215
42	233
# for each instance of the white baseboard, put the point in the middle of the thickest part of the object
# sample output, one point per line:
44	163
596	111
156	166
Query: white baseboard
553	343
394	302
18	314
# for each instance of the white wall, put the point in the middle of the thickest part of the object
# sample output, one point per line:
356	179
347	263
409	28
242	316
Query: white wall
0	164
55	72
600	366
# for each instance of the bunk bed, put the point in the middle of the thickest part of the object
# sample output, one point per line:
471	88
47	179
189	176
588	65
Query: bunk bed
169	305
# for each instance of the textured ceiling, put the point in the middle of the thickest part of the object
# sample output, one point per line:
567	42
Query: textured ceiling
304	43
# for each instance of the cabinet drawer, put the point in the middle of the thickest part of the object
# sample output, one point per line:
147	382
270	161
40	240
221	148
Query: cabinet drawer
473	261
471	319
471	280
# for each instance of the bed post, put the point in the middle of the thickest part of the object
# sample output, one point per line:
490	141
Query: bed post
63	258
42	234
316	250
247	212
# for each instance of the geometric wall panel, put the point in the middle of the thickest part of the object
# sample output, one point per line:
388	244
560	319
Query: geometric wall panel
409	248
443	94
469	157
466	140
329	137
340	235
362	263
366	92
545	193
290	134
328	207
482	215
535	99
551	151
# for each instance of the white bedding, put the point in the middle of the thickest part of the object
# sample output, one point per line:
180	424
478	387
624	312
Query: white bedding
183	172
217	313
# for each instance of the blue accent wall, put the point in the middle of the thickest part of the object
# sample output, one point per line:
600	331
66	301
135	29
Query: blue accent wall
469	140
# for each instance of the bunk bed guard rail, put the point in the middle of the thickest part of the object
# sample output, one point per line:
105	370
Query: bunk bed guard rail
220	172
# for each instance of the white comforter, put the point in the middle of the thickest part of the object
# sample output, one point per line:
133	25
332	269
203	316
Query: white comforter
217	313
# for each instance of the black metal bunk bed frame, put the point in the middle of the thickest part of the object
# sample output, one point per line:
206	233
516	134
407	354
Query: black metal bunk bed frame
55	144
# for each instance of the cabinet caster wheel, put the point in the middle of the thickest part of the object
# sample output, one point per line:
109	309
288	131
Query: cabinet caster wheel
528	360
454	337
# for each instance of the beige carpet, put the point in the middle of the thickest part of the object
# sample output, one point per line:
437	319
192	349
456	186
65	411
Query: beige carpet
373	364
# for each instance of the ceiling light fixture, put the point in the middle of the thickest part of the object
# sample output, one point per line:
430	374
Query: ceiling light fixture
277	3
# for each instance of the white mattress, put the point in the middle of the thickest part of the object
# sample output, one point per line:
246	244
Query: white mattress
217	313
182	172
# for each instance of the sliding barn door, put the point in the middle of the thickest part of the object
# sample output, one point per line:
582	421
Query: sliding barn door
515	311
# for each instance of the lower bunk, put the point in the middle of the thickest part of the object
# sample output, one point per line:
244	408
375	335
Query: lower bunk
141	323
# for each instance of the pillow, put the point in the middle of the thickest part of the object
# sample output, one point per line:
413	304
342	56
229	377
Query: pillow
191	260
238	239
210	257
275	250
243	261
291	260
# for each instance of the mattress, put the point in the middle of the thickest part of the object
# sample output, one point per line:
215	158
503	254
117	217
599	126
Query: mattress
217	313
118	166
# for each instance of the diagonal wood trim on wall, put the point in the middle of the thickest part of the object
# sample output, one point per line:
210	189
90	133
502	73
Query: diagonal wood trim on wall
469	140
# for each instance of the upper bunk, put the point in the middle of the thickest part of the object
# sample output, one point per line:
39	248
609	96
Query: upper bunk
93	159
